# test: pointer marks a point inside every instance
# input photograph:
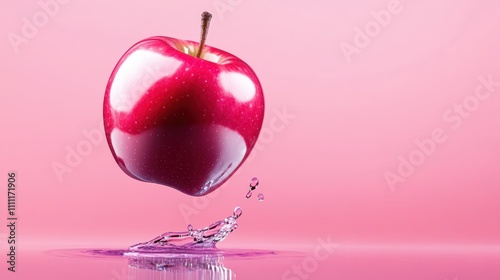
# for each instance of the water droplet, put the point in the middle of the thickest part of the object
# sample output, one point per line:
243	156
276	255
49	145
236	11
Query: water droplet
190	227
254	183
237	212
249	194
260	197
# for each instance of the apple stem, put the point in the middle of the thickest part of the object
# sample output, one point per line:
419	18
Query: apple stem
205	24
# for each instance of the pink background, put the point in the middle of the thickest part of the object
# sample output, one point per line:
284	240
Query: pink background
322	169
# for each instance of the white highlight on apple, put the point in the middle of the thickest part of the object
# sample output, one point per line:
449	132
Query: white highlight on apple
233	152
238	85
211	57
233	147
208	56
188	49
276	124
131	76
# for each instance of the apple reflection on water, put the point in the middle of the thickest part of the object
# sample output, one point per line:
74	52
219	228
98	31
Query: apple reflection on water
181	121
179	267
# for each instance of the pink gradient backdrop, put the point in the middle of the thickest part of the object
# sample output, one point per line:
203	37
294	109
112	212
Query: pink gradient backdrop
322	170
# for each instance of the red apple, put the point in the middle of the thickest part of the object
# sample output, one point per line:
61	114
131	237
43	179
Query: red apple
180	120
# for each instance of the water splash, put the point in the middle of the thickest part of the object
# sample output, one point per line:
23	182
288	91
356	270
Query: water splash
203	238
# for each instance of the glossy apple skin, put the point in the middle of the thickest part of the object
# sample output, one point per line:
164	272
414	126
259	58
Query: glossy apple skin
177	120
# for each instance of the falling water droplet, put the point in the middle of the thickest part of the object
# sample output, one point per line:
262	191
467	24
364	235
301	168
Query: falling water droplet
260	197
249	194
254	183
237	212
